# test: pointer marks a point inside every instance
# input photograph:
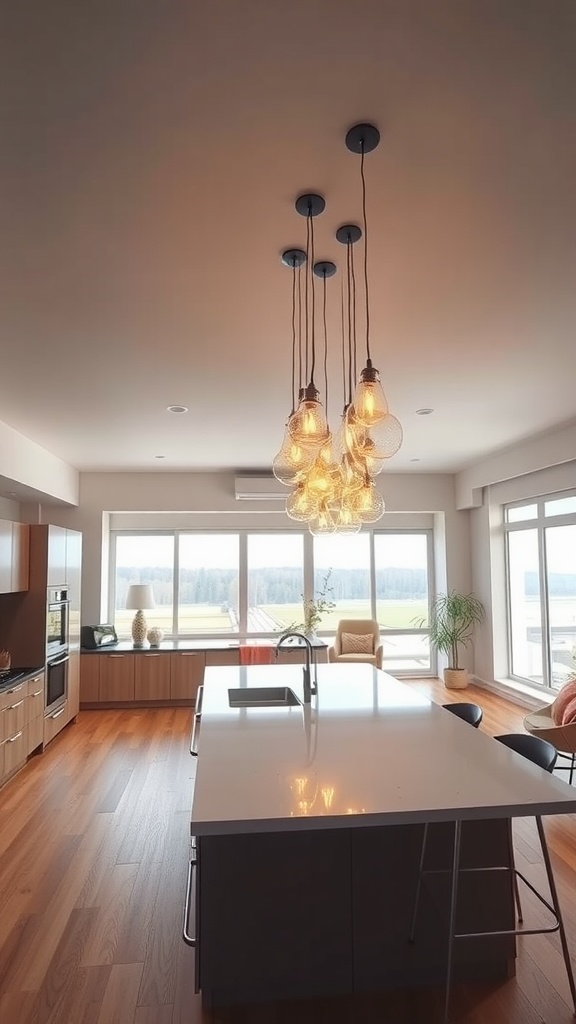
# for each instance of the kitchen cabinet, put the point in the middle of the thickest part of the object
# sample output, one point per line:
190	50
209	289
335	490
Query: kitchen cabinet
90	678
116	677
14	556
151	676
186	674
56	559
21	724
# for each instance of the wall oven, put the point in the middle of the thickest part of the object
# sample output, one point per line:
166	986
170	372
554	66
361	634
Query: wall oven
56	680
57	613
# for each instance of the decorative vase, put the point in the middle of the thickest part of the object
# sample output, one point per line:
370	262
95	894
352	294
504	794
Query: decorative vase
5	662
155	636
455	678
139	629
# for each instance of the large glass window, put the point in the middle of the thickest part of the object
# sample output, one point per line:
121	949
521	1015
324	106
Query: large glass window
241	584
402	598
342	572
208	583
144	558
541	578
275	581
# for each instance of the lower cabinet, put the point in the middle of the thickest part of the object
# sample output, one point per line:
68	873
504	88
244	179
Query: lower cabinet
55	722
21	724
152	676
186	674
117	672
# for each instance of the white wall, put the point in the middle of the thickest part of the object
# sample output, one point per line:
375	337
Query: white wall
27	463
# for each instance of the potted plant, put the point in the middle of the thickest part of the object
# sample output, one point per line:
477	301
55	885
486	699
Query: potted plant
453	618
314	609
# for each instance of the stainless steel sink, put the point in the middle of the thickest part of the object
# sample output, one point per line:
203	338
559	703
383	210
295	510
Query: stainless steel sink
263	697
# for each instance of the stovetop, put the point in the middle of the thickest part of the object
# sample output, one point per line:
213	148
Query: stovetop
15	675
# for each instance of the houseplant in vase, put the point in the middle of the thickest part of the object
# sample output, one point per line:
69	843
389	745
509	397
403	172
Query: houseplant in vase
314	610
453	619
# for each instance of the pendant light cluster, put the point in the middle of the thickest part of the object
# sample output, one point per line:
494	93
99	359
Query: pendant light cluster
332	479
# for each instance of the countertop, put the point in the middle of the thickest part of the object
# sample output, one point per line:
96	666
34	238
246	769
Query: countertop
168	646
29	673
367	751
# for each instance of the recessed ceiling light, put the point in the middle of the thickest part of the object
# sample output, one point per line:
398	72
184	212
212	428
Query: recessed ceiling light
414	460
424	412
159	456
177	408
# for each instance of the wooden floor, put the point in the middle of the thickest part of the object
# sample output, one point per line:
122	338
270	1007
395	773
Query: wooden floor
94	845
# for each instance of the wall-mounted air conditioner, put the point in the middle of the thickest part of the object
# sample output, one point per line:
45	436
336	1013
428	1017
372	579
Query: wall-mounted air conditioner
259	488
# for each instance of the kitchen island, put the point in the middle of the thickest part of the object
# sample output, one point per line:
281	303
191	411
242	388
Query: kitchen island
308	821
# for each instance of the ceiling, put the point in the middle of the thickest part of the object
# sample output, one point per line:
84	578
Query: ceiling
151	155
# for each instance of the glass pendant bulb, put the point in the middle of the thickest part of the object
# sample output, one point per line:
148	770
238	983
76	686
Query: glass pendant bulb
353	432
369	400
301	505
369	503
368	456
308	424
387	437
323	523
292	461
348	521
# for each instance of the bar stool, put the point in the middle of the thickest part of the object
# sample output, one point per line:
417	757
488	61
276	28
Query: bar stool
543	754
470	713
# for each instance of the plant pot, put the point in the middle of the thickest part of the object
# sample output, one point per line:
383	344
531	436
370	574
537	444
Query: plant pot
455	678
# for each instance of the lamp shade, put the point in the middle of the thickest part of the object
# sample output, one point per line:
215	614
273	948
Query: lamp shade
140	596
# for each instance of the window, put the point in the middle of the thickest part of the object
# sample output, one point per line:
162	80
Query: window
347	561
241	584
207	584
144	559
541	582
402	598
275	581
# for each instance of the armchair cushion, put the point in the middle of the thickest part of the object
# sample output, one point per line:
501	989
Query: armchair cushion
357	643
565	696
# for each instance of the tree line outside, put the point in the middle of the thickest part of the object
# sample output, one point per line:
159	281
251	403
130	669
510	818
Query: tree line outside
270	586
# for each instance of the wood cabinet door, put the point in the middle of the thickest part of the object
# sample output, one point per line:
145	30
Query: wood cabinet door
56	569
35	699
186	674
73	581
55	722
152	676
73	684
222	657
20	556
116	676
90	678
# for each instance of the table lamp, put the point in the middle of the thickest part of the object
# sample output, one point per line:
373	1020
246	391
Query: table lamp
139	596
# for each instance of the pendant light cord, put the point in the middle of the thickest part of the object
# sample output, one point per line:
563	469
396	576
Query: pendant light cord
311	274
363	178
325	325
353	303
293	335
306	301
350	328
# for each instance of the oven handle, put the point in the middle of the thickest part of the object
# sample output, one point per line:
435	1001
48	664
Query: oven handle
59	661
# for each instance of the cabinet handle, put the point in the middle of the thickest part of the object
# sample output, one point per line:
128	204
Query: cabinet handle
14	738
16	689
36	693
116	655
58	713
190	940
197	717
152	655
13	706
189	654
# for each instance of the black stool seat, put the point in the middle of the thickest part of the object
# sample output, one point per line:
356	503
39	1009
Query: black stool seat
470	713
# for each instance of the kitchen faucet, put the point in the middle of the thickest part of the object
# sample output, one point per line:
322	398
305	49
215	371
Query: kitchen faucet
308	688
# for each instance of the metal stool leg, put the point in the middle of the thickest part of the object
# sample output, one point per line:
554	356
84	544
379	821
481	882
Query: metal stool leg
514	874
557	911
418	884
452	922
572	767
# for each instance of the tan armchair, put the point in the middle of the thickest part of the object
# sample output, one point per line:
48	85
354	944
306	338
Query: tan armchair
563	737
357	640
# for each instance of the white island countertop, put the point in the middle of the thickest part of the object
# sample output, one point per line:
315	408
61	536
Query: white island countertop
367	751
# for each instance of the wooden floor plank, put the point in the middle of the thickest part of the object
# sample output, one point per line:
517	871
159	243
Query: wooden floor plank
94	846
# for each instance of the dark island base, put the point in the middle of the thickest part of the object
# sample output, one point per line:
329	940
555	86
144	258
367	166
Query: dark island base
306	914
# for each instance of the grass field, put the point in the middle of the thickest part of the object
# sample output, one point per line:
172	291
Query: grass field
204	619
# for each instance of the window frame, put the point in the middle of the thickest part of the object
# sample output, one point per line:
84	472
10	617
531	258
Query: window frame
243	533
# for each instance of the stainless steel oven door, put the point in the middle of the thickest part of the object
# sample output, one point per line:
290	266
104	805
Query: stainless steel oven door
57	681
57	626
